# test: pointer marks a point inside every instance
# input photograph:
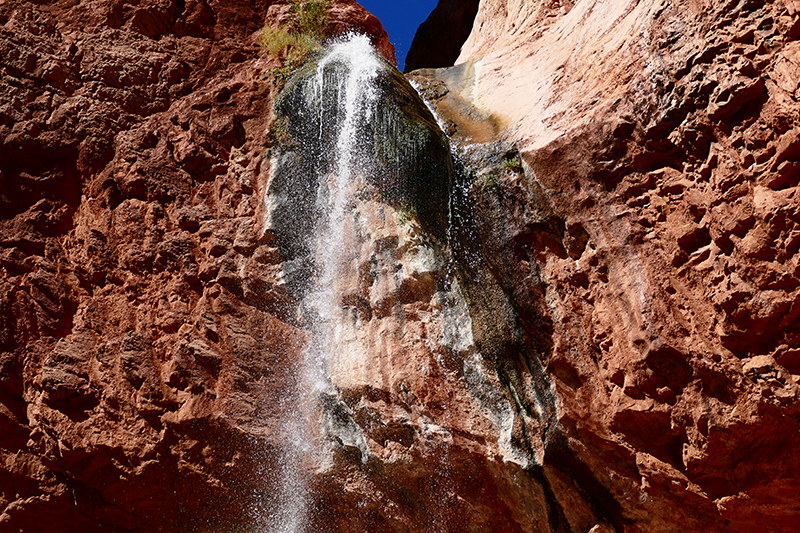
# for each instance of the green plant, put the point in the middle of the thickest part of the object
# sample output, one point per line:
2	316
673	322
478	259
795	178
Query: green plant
279	131
513	164
485	180
488	181
406	212
281	43
280	74
471	174
309	18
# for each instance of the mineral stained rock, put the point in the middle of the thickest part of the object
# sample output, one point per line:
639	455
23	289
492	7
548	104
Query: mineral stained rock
660	142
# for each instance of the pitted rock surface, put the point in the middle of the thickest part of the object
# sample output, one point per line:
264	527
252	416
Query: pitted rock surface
142	319
658	142
635	272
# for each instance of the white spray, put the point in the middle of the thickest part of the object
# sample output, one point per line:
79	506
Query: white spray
356	70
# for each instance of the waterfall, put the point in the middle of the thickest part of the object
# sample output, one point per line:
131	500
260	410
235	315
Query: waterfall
343	91
358	201
356	96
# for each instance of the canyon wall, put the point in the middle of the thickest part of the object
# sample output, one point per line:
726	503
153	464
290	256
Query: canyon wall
438	40
660	140
603	338
144	338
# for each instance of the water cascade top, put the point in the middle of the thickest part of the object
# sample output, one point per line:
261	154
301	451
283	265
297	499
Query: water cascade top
351	95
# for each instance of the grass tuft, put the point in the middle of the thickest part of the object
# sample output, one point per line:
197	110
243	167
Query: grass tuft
513	164
293	45
310	17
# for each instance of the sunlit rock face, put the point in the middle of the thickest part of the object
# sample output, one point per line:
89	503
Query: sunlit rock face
598	336
406	402
655	211
143	327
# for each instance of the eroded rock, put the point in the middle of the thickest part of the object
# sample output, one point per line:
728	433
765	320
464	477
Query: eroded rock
665	275
142	327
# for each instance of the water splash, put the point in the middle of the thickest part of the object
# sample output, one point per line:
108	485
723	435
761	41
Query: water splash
343	91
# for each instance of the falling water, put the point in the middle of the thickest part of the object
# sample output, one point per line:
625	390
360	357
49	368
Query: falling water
356	97
352	81
356	134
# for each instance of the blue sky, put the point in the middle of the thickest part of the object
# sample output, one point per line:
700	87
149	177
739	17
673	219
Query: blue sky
400	20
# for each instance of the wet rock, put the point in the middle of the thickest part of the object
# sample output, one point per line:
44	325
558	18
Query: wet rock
666	192
407	156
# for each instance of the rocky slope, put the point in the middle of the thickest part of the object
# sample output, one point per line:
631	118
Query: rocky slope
658	221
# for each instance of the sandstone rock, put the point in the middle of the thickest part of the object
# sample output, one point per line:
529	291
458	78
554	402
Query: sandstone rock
132	143
659	139
619	351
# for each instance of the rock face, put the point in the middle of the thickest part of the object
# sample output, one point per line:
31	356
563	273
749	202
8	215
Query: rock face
438	40
655	214
602	338
142	326
344	16
409	404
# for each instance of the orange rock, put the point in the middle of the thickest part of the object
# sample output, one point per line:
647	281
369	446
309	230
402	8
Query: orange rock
626	353
662	135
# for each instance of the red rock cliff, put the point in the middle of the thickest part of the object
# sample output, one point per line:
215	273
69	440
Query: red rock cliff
140	323
619	352
660	142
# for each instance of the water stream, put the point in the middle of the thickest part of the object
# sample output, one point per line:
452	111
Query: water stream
343	92
356	98
363	158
